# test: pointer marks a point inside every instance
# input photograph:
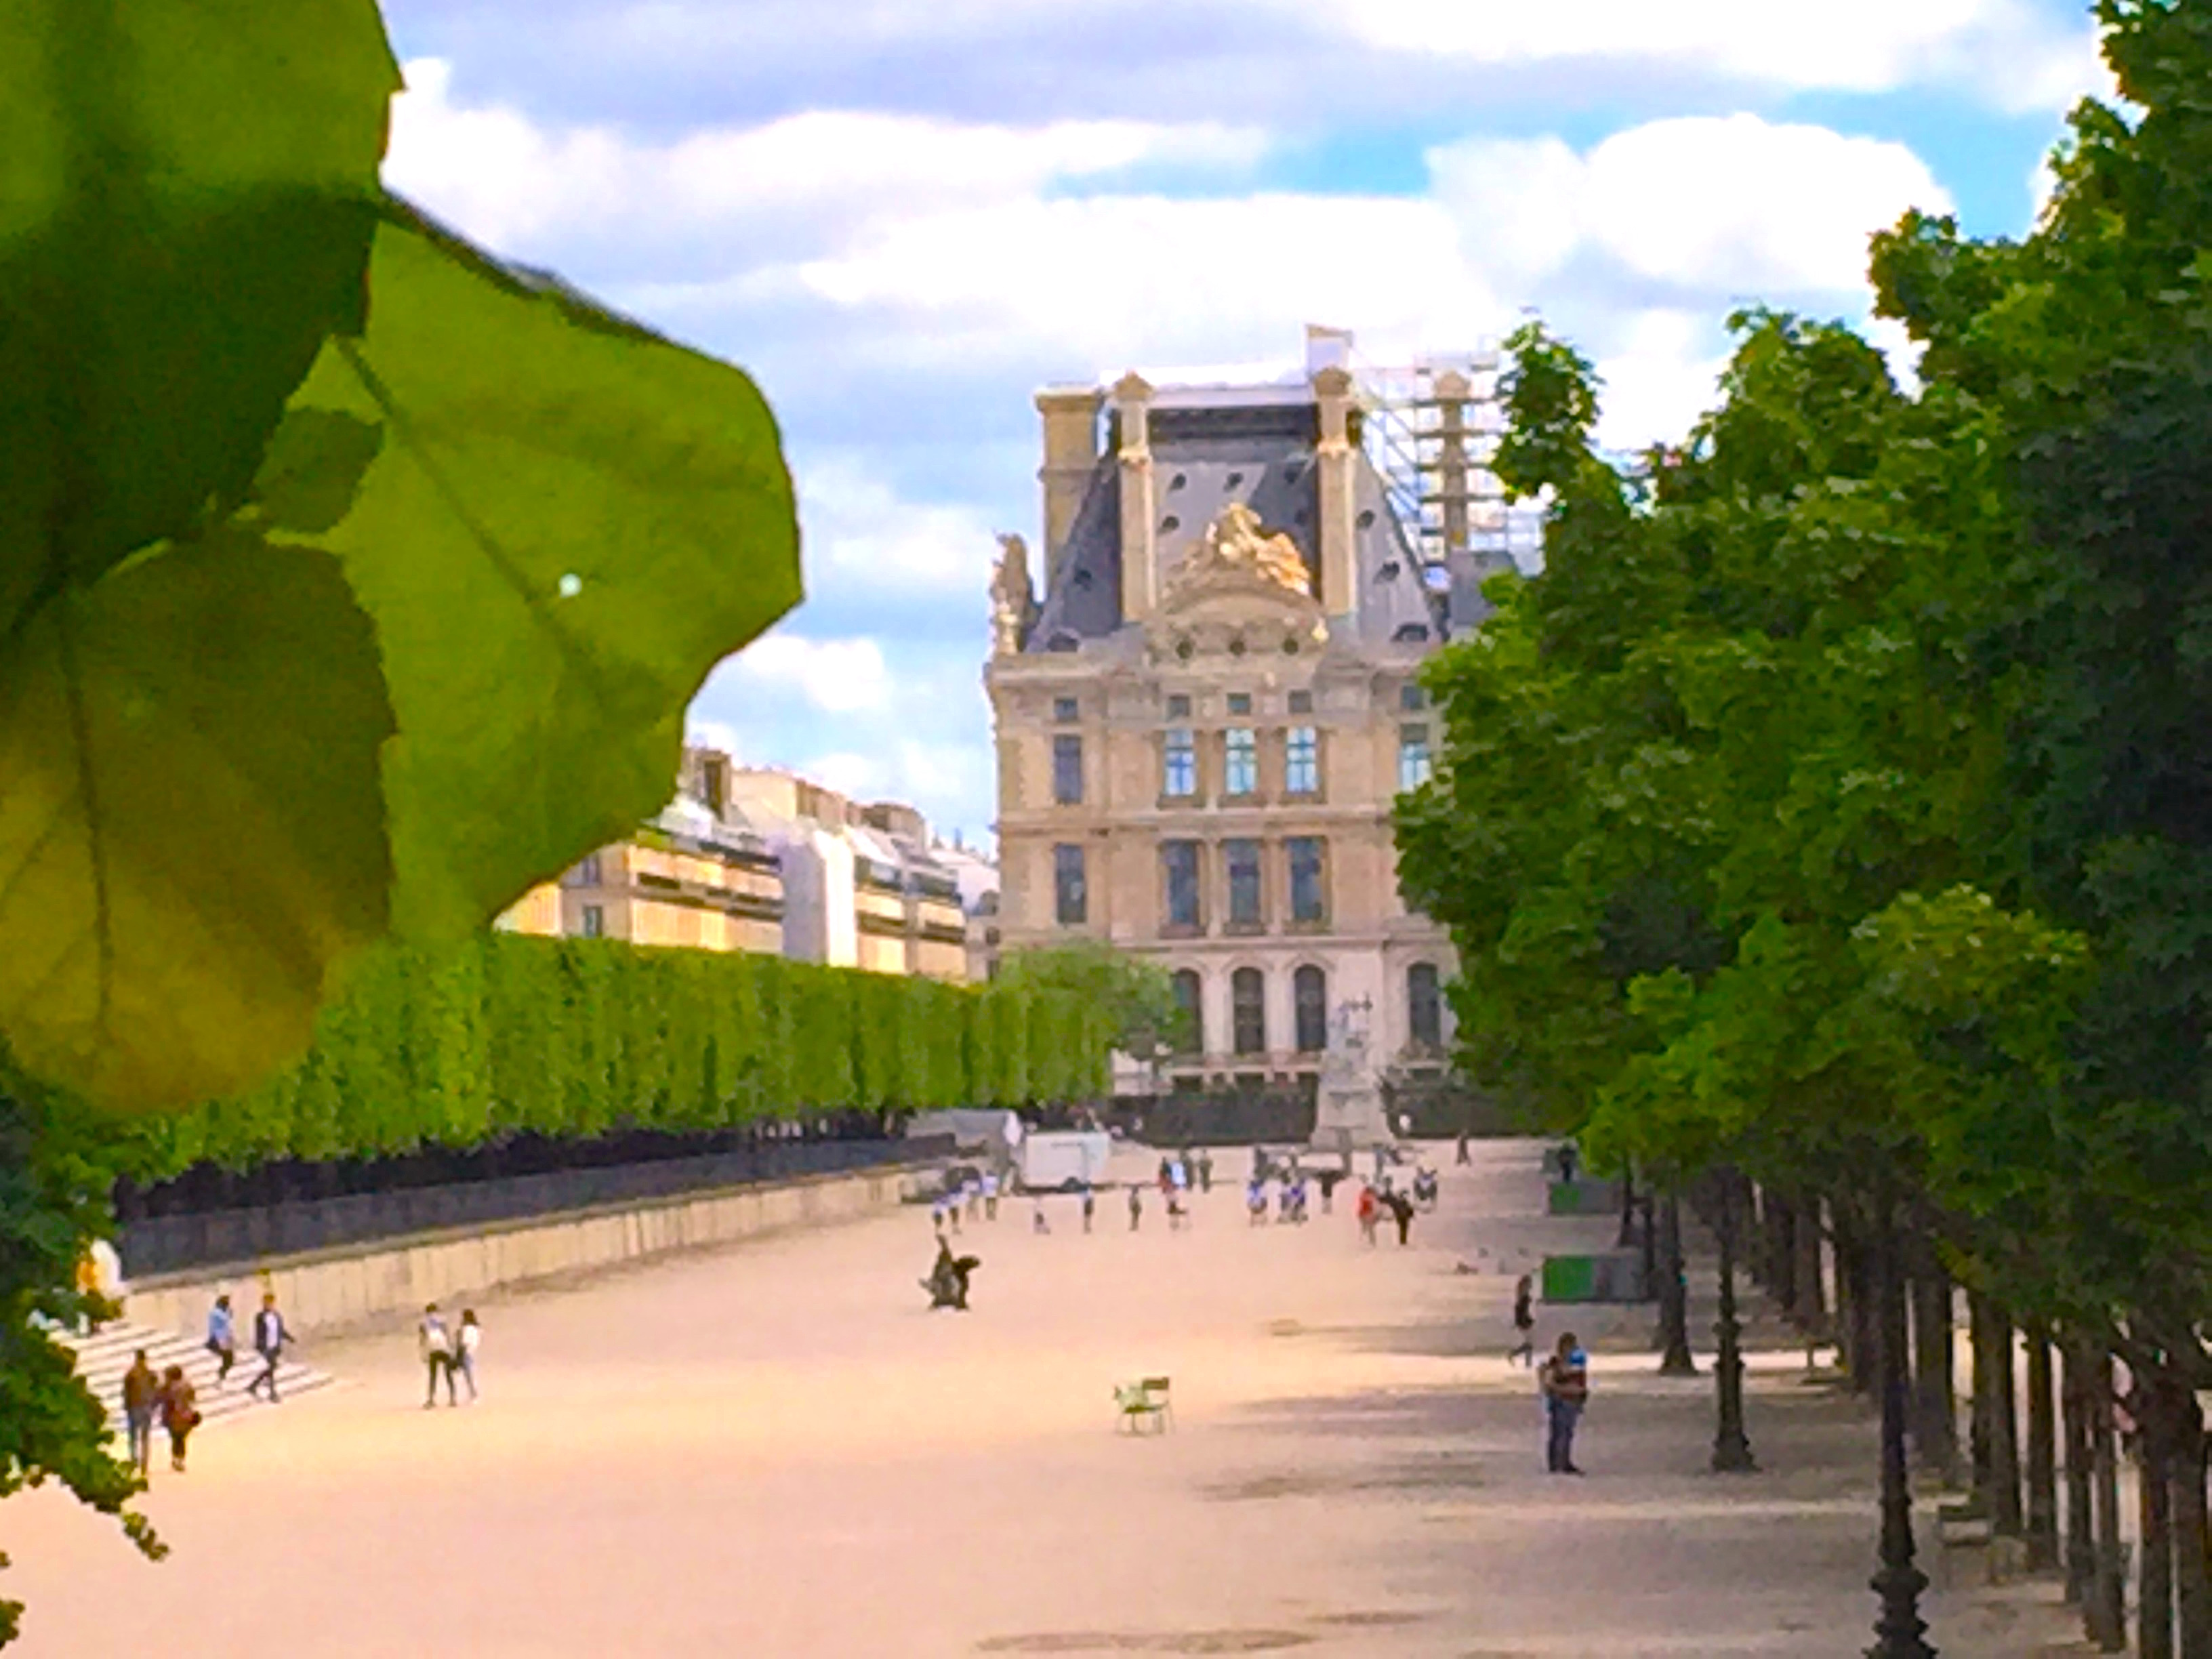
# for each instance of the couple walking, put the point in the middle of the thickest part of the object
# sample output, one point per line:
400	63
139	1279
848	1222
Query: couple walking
448	1354
167	1399
271	1334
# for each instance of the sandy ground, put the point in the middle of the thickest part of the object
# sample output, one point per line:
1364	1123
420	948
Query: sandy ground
774	1451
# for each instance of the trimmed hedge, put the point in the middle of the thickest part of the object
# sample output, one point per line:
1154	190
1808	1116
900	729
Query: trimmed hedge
575	1038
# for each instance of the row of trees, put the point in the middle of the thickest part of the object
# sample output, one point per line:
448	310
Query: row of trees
577	1038
1832	811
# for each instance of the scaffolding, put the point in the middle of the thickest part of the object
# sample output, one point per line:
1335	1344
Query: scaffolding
1431	428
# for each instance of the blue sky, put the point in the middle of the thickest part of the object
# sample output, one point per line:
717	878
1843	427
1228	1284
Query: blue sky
904	215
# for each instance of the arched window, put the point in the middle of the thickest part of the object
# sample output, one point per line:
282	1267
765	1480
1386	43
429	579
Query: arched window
1310	992
1190	1027
1247	1011
1424	1006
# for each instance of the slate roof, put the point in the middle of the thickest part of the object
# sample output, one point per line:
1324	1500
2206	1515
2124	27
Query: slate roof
1203	459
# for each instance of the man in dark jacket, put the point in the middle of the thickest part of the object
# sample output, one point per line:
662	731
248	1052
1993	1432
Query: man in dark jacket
269	1337
142	1389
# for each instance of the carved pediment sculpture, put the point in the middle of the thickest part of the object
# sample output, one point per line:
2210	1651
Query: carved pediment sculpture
1240	589
1014	600
1237	552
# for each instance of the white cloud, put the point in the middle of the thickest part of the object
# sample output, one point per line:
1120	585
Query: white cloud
715	734
860	776
1727	205
838	677
1661	379
2015	52
857	530
507	179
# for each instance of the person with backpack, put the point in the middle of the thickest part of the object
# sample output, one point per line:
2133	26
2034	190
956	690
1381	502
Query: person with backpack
142	1398
435	1343
1565	1380
180	1413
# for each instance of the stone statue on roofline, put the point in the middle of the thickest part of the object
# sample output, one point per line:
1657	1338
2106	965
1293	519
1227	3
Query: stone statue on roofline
1014	600
1237	548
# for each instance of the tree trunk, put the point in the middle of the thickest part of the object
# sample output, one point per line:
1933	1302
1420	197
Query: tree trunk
2080	1532
2155	1571
1854	1295
1812	1305
2107	1619
2042	1454
1675	1359
2192	1544
1782	1250
2004	1439
1936	1430
1627	1210
1982	1416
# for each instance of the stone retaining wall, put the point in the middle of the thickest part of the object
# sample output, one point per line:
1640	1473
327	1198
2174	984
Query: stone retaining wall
327	1291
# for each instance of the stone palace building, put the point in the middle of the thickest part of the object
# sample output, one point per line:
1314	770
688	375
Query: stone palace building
1203	714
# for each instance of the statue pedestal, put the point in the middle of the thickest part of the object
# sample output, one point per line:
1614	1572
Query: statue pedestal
1351	1119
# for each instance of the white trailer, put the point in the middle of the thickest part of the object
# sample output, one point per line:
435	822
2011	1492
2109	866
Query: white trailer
1060	1160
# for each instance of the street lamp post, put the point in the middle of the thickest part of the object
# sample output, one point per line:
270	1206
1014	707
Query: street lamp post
1899	1630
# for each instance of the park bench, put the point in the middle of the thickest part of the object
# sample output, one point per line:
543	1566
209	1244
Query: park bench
1143	1403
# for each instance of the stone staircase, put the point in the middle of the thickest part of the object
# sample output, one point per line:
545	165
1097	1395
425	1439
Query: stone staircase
102	1359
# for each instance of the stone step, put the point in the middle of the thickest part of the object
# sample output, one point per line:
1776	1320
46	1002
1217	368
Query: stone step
102	1358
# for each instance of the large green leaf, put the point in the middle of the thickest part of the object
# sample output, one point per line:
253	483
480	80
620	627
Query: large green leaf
187	194
569	522
191	826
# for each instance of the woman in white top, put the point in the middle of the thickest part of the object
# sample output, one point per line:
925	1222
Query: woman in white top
465	1341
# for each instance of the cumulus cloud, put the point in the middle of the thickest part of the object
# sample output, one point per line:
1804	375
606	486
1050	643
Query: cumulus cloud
1716	204
858	530
838	677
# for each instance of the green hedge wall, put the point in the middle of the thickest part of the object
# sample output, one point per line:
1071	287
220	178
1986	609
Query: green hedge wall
578	1038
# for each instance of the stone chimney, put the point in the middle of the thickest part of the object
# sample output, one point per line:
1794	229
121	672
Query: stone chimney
1070	416
1132	403
1450	392
1335	458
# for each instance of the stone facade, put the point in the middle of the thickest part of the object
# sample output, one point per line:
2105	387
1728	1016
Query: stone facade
1203	718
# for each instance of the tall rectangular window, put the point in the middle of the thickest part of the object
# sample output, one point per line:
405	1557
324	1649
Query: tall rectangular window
1240	768
1425	1017
1071	896
1411	698
1179	765
1068	769
1302	762
1064	710
1179	875
588	871
1414	765
1307	856
595	921
1242	859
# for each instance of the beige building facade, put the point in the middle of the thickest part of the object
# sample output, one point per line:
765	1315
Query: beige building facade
1204	713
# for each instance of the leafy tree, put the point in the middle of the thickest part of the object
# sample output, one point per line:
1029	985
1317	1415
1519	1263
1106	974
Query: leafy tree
350	582
1132	996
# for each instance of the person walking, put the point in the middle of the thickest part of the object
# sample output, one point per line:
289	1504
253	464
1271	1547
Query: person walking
1090	1205
1368	1209
269	1336
1524	1323
1038	1223
990	1194
1255	1201
1566	1382
142	1398
466	1340
1327	1179
1204	1163
223	1339
435	1343
180	1413
1136	1206
1464	1156
1401	1212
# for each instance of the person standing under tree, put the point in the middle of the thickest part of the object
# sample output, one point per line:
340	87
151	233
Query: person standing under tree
223	1339
435	1345
1565	1381
269	1336
142	1397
